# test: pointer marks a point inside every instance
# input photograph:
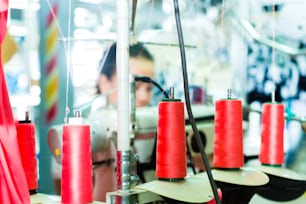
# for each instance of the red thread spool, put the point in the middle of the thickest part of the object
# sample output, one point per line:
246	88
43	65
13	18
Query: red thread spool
171	162
228	139
77	185
27	147
272	134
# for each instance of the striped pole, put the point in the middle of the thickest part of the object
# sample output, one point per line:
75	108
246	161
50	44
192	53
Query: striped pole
53	63
51	68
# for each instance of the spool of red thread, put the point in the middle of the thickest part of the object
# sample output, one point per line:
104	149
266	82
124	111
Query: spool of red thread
77	185
27	147
272	134
171	162
228	138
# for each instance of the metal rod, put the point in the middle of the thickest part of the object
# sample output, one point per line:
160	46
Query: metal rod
122	62
246	25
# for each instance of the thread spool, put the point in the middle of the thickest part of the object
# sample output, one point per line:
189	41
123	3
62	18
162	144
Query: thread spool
171	162
228	142
27	147
272	134
77	186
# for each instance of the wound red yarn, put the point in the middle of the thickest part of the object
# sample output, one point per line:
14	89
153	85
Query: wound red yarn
171	162
27	148
228	138
77	186
272	134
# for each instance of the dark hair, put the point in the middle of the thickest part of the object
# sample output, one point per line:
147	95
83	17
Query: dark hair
107	64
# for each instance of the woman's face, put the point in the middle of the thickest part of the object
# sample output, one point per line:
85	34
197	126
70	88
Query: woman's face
142	67
138	66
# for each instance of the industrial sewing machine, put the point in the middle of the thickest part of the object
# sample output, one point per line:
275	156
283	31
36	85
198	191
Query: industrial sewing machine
103	125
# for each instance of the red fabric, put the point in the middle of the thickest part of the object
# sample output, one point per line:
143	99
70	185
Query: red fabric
3	5
13	185
3	18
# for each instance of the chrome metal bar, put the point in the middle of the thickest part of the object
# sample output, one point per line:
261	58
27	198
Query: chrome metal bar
252	32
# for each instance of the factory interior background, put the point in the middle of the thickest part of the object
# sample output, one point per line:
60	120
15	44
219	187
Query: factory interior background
229	45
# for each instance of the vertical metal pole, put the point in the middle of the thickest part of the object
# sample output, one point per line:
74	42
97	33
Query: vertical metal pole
122	61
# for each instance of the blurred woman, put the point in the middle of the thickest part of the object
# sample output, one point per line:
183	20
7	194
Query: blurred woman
141	63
